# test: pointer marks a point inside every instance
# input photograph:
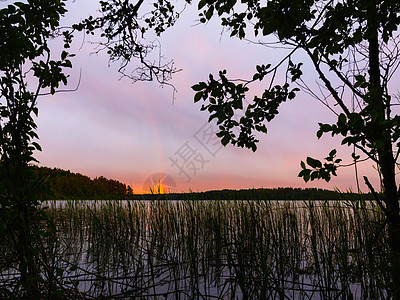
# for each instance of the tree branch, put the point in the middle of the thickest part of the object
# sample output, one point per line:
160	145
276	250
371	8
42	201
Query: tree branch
327	83
375	195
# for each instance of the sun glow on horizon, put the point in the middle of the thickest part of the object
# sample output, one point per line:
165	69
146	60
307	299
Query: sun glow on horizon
159	183
158	189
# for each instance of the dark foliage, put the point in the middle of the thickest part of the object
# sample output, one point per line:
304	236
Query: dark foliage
61	184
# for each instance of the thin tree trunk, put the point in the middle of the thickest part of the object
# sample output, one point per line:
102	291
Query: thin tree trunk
24	216
380	111
392	214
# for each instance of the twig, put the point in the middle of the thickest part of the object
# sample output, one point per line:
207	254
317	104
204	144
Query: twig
375	195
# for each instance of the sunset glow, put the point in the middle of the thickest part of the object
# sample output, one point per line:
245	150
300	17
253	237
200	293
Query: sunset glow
113	128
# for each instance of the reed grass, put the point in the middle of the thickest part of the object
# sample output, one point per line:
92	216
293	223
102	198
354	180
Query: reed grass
218	249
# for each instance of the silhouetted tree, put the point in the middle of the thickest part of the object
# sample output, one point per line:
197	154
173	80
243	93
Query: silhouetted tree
25	29
68	185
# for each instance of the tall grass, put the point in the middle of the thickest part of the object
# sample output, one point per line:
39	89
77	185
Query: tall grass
219	249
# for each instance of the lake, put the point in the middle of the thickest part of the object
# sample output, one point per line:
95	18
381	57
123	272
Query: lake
217	249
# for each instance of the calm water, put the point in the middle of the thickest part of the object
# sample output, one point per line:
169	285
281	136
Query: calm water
219	249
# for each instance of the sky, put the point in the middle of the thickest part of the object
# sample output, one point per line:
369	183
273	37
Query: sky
129	132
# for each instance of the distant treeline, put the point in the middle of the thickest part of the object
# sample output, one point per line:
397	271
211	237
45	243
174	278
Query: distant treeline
258	194
61	184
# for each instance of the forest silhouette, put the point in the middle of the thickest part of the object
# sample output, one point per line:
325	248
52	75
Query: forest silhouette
64	185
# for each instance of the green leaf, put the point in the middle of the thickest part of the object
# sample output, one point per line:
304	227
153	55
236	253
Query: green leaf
210	12
342	119
198	96
64	55
314	175
257	76
35	110
314	163
261	128
305	172
67	64
201	4
198	87
37	146
225	140
332	153
325	127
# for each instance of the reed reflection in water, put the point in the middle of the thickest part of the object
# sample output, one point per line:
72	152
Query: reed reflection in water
221	249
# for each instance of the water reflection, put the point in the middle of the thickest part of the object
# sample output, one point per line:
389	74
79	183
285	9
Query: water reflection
220	249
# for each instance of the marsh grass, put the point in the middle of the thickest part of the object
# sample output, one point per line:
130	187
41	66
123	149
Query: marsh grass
218	249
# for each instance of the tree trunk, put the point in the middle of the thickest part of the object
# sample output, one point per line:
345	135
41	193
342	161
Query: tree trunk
390	198
23	215
379	112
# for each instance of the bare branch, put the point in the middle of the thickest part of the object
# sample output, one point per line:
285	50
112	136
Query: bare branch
327	83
